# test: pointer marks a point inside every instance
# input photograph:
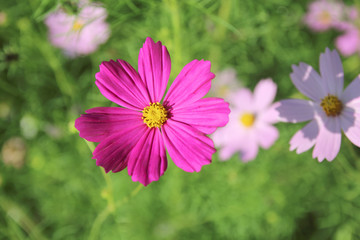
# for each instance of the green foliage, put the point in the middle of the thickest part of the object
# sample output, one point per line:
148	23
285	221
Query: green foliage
60	193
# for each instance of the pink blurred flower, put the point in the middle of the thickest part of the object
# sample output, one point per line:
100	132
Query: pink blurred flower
330	109
135	135
323	15
225	83
250	122
79	34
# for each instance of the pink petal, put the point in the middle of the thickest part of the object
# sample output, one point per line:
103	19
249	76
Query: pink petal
352	92
332	72
350	123
249	149
269	115
113	152
193	82
305	139
154	68
205	114
348	43
267	135
328	142
121	84
264	93
242	100
295	110
101	122
189	148
227	151
307	81
147	160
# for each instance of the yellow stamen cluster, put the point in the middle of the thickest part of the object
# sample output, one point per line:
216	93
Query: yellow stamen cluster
77	25
332	105
247	119
154	115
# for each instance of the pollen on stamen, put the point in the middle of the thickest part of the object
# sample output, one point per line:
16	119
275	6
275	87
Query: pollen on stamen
154	115
331	105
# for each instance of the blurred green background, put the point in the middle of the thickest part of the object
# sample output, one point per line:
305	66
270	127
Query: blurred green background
60	193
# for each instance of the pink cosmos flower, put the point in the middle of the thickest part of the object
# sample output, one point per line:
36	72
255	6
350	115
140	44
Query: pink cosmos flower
323	15
329	111
250	122
79	34
135	135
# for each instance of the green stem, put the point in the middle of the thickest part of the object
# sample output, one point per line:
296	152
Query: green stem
177	36
111	205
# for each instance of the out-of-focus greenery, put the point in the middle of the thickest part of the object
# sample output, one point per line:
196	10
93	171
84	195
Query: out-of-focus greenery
60	193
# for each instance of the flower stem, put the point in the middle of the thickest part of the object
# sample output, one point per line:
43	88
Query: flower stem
111	205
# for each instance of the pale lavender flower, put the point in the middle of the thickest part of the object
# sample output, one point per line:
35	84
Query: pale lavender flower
329	111
79	34
323	15
250	122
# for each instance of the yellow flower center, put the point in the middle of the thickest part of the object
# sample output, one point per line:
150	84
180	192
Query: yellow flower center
247	119
332	105
77	25
324	17
154	115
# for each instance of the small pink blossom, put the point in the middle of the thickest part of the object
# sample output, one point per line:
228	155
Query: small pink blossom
250	122
323	15
79	34
136	134
329	110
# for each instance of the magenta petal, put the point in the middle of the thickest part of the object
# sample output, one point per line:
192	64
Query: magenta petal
305	139
120	83
205	114
332	72
308	81
192	83
147	160
264	94
328	142
295	110
112	153
154	68
352	92
189	148
101	122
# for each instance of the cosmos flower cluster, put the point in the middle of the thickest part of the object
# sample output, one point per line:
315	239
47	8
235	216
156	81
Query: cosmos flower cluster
148	122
